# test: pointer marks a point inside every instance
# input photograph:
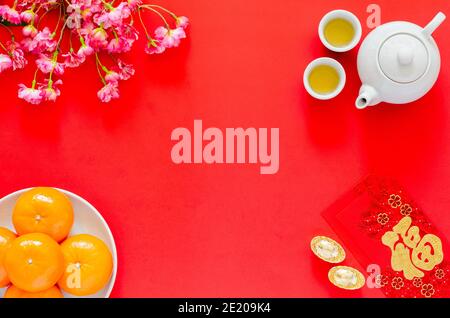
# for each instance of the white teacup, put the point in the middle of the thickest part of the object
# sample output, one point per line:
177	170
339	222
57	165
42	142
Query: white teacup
336	66
346	16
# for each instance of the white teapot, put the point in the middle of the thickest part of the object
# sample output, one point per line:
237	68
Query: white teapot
398	63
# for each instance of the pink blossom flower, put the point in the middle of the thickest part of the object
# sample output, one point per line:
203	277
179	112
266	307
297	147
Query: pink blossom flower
127	32
42	42
94	6
182	22
85	51
9	14
73	59
31	95
5	62
133	4
74	16
178	33
27	16
108	92
87	28
154	47
170	38
47	64
98	38
29	31
17	56
125	70
121	12
112	77
50	91
85	10
113	17
118	45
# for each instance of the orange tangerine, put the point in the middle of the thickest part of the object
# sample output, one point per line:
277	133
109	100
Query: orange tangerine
88	265
14	292
43	210
34	262
6	237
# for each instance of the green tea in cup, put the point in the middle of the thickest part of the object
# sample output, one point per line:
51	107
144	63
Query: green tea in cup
339	32
324	78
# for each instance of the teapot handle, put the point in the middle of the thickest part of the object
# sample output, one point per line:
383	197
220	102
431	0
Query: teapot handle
434	24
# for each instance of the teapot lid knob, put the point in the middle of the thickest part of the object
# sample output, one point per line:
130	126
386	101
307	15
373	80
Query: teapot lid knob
403	58
405	55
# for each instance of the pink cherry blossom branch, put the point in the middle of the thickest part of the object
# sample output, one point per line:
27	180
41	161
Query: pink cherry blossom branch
101	27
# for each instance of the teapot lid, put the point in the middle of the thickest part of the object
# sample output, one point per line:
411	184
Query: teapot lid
403	58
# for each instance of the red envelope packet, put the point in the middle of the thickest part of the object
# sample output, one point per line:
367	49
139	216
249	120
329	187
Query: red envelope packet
391	236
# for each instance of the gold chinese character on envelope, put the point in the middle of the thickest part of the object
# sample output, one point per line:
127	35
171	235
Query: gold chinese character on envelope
411	253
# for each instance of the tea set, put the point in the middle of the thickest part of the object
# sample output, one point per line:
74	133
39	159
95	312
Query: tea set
398	62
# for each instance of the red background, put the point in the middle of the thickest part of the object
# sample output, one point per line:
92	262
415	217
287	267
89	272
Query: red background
189	231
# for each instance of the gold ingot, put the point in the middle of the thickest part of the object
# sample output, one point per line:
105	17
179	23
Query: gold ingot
327	249
346	278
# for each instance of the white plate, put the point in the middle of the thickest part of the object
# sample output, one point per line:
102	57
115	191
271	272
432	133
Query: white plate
87	220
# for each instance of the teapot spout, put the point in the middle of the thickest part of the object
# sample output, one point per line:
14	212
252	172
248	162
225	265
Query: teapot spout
368	96
434	24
